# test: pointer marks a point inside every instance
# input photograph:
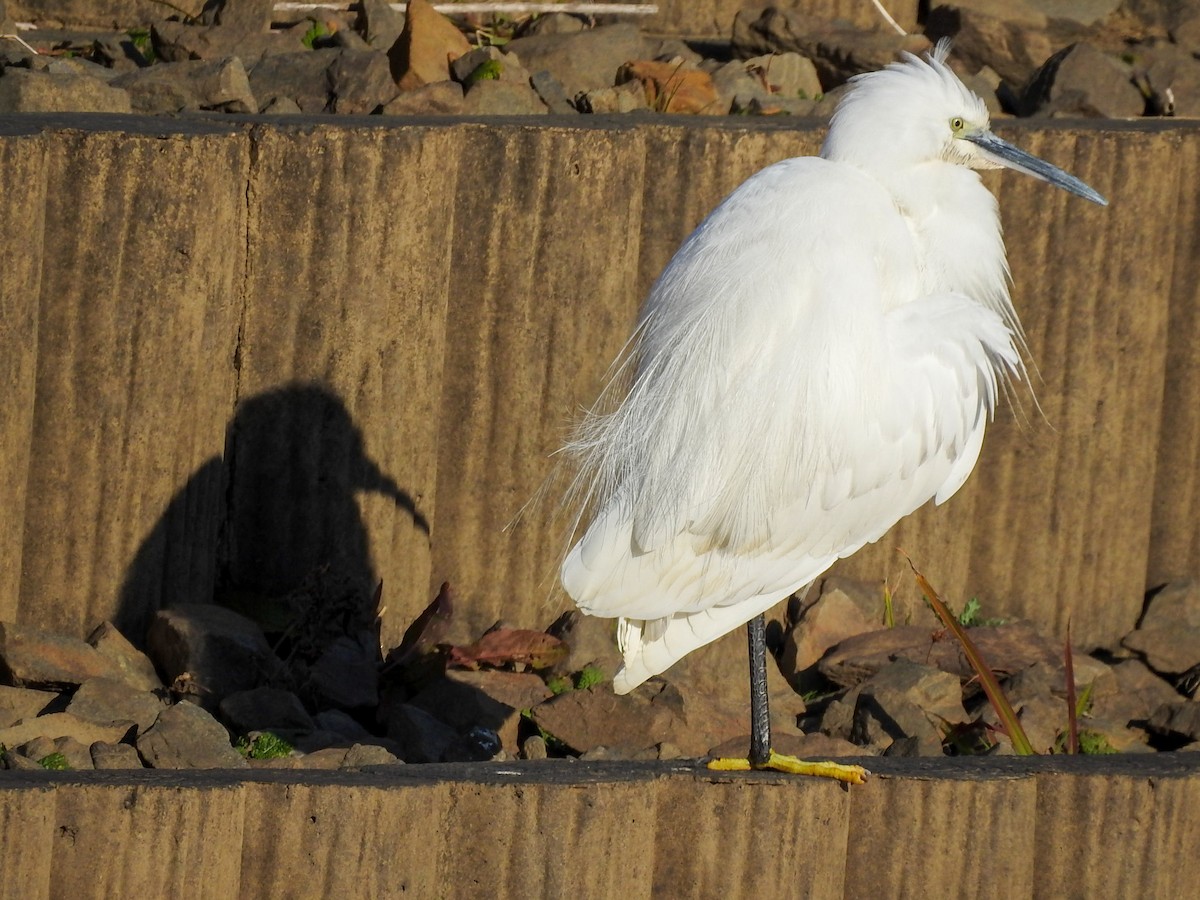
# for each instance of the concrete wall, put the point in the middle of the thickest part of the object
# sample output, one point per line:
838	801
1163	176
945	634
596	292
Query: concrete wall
1041	828
253	349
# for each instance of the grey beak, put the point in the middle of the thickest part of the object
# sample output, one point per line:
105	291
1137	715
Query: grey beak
1002	153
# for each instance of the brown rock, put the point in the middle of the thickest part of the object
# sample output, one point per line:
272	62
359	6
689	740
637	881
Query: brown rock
360	82
426	47
1139	693
1178	720
1080	80
346	675
134	666
244	15
837	50
106	755
789	75
22	703
1170	76
623	98
834	617
1014	41
1174	604
265	708
1170	650
56	725
670	87
584	61
187	737
591	641
439	98
489	699
629	723
178	41
1006	648
502	98
30	658
379	24
423	738
220	84
220	651
26	91
107	700
361	755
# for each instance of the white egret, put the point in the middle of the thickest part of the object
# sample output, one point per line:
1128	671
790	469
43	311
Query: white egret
818	360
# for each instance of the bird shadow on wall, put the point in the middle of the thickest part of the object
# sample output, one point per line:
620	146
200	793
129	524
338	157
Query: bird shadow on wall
273	529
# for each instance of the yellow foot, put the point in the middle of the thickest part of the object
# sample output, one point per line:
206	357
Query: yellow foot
794	766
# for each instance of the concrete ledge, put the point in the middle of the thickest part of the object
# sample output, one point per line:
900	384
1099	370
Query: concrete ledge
250	345
1042	827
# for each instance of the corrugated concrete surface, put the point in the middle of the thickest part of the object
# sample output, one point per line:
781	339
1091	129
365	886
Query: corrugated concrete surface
1041	828
257	349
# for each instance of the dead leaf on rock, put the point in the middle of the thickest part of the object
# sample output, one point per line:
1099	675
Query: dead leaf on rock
516	647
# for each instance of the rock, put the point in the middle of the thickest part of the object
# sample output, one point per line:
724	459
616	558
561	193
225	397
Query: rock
583	61
590	640
1006	648
495	64
422	737
788	74
838	51
439	98
552	23
14	761
1178	720
26	91
831	619
360	82
187	737
426	47
534	747
242	15
341	724
502	98
1174	604
1080	80
56	725
1014	42
1139	692
31	658
379	24
736	86
17	704
346	675
361	755
1170	77
1186	35
282	106
220	651
37	749
77	755
553	94
907	700
671	88
628	97
487	698
1169	650
596	717
107	700
265	708
177	41
134	666
300	77
189	86
114	756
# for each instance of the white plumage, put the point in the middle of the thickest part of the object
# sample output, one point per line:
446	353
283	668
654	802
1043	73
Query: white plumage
819	359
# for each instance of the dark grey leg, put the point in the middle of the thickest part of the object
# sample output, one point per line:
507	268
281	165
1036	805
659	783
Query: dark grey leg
760	713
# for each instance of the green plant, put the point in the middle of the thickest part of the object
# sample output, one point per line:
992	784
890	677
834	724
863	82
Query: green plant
54	761
140	38
316	31
264	746
488	70
970	616
589	676
559	684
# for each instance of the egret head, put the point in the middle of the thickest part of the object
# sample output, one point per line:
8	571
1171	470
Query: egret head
917	111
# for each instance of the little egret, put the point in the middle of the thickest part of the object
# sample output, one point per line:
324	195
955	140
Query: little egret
818	360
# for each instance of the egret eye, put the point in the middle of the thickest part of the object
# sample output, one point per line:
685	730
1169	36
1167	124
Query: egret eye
957	124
